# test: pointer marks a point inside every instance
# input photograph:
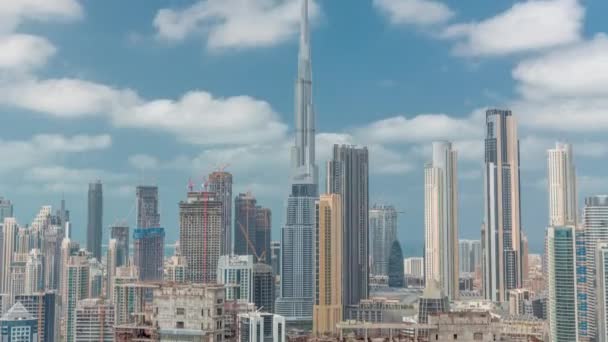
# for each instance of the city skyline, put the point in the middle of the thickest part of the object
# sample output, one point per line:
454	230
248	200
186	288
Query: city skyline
341	117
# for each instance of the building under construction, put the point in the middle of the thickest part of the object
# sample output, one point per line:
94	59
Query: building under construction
200	235
252	225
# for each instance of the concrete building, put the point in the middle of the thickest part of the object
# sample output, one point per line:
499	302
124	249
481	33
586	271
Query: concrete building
51	246
261	327
175	269
595	231
263	287
9	238
383	231
75	288
379	310
192	312
561	179
441	219
220	182
501	232
297	245
18	325
95	219
121	234
94	321
129	295
348	176
328	309
147	207
200	229
44	308
469	255
433	301
520	302
563	304
236	272
414	267
149	253
602	292
252	225
263	232
34	272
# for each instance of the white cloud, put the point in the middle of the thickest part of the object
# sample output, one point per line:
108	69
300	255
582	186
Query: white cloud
529	25
578	70
22	52
60	179
43	148
13	12
229	24
144	162
416	12
422	128
197	117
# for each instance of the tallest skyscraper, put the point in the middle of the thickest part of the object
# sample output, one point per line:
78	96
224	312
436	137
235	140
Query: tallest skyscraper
297	254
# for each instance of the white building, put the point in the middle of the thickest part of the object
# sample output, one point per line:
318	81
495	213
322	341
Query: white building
261	327
561	179
236	272
414	267
602	292
193	312
441	219
94	321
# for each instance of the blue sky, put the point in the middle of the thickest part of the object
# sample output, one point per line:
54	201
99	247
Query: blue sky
159	92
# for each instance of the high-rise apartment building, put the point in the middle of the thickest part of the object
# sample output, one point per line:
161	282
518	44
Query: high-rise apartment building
469	258
414	267
120	233
95	219
595	226
147	207
601	259
236	272
34	272
328	309
8	249
348	175
383	231
561	179
44	307
263	287
563	318
148	237
441	218
245	224
220	182
263	224
76	285
200	229
501	233
6	209
129	295
51	246
275	259
94	321
111	266
296	300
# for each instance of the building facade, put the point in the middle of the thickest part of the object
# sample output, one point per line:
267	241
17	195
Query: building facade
501	233
602	292
297	245
328	309
121	234
147	207
18	325
261	327
95	219
76	288
563	306
201	223
441	218
263	287
348	176
236	272
383	231
220	182
149	253
94	321
44	308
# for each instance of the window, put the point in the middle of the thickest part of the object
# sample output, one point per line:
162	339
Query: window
179	325
455	336
180	311
478	336
219	311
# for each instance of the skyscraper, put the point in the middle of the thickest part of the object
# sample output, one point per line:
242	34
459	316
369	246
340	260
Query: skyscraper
6	209
263	225
501	233
52	256
383	231
348	175
396	272
76	288
18	325
43	306
236	271
602	292
297	274
95	219
120	233
275	248
111	257
245	224
328	309
220	182
595	225
148	237
8	249
561	179
147	207
563	318
200	230
263	287
94	321
34	272
441	219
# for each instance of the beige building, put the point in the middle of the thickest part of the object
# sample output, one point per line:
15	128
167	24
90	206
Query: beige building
327	311
561	179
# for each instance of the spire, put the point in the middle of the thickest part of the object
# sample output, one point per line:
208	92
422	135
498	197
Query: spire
304	31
